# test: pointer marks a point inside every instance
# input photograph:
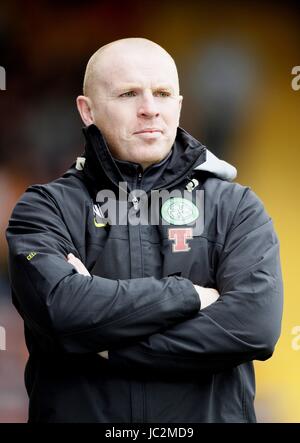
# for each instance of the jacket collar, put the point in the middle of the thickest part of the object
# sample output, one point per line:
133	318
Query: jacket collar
101	168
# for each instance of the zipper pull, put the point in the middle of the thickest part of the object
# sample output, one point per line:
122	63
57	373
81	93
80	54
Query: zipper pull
192	184
135	203
139	178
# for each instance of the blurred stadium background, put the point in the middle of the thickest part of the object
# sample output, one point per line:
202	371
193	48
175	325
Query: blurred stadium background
234	60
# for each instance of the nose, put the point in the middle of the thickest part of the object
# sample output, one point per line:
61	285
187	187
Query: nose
148	107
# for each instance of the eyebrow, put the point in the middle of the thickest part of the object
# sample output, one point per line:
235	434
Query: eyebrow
130	86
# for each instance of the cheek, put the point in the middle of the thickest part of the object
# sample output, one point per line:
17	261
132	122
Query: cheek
171	112
120	119
172	120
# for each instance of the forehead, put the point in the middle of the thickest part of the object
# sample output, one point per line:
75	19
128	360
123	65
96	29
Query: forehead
154	69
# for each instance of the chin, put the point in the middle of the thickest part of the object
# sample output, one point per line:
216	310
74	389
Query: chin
155	156
149	159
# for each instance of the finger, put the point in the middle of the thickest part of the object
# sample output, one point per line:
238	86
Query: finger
72	259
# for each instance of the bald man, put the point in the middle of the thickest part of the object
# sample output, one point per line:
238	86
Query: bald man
141	126
143	319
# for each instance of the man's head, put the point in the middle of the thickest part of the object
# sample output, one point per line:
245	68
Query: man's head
131	93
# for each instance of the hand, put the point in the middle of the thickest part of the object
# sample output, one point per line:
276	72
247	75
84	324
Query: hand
207	295
78	265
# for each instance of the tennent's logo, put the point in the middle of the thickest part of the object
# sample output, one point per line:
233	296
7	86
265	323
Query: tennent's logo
2	79
180	237
2	339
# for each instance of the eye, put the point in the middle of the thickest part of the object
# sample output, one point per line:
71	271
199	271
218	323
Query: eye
162	93
128	94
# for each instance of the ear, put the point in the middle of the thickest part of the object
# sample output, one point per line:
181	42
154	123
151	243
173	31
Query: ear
180	102
84	107
179	105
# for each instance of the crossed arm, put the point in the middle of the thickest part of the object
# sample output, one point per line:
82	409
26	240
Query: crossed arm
207	296
149	323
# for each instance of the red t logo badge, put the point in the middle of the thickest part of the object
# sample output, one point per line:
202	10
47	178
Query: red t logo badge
180	236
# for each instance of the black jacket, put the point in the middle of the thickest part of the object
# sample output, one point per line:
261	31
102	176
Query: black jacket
168	360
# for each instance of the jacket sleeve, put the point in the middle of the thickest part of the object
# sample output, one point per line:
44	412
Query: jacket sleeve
82	313
244	324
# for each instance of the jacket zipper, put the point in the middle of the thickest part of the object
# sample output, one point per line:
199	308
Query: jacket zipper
134	200
135	203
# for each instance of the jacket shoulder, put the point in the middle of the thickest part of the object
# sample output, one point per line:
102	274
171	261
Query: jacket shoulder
231	204
60	196
55	190
231	193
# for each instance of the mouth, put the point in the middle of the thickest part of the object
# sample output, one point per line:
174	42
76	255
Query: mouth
148	131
